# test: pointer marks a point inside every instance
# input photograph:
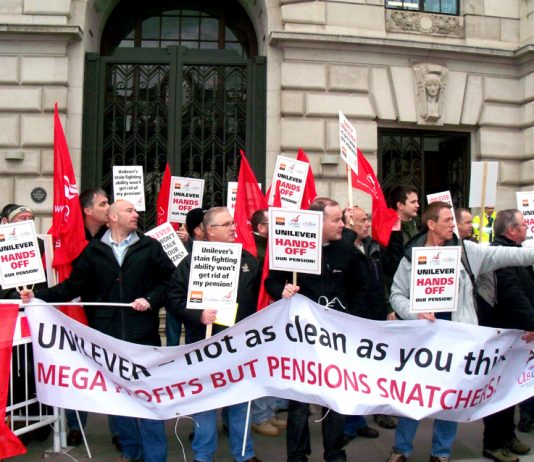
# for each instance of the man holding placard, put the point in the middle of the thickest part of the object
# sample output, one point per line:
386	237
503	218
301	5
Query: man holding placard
439	232
122	267
341	285
196	281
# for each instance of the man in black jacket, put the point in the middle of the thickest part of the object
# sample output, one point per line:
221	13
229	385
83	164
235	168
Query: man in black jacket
514	309
218	227
342	286
123	266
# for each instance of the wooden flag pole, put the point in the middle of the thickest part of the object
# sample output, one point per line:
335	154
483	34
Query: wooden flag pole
350	198
482	200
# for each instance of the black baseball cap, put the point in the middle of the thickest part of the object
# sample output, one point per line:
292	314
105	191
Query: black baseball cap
193	219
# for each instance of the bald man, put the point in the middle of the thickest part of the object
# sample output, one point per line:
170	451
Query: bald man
123	266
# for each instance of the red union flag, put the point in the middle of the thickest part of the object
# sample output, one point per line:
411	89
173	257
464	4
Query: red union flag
67	231
383	218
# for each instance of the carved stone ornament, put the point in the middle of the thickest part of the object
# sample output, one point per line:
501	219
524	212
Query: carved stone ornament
424	23
431	81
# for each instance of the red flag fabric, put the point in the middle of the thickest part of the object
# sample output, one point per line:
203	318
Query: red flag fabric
249	198
264	299
162	202
10	445
310	192
68	234
383	218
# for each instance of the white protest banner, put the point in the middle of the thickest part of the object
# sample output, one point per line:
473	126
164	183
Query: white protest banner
170	242
295	238
292	175
186	194
435	274
525	204
214	275
477	192
294	349
20	260
129	184
348	143
444	196
231	196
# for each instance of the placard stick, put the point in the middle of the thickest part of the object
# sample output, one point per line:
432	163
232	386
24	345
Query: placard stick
482	200
351	200
294	278
247	419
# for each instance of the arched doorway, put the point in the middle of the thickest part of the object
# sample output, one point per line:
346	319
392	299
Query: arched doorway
176	81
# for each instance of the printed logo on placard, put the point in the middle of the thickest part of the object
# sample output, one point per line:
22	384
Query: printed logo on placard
436	259
525	202
177	186
282	167
295	222
2	238
196	296
421	260
280	221
526	379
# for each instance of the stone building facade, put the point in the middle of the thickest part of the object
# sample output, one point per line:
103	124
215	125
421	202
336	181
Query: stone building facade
390	71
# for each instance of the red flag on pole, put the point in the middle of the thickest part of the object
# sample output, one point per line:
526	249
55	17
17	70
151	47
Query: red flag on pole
383	218
249	198
310	193
68	234
162	202
10	445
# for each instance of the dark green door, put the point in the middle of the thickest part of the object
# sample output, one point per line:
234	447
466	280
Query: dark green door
191	108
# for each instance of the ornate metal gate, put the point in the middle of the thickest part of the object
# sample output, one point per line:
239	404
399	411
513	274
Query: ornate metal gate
430	161
193	109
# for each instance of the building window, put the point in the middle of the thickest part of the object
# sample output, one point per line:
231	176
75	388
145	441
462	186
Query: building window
426	6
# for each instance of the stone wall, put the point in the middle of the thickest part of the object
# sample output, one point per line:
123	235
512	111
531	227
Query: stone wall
36	71
352	56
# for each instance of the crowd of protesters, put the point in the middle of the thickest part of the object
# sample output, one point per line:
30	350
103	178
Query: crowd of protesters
358	277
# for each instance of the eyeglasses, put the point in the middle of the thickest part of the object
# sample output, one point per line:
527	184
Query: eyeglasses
228	224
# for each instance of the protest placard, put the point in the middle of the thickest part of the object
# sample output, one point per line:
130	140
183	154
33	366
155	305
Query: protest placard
483	184
292	175
231	196
170	242
348	143
295	238
214	275
434	285
444	196
186	194
525	204
20	260
129	184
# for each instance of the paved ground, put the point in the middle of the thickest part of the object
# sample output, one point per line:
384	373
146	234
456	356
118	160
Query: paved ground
467	447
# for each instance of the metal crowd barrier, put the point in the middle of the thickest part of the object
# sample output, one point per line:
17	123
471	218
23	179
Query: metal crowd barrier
24	413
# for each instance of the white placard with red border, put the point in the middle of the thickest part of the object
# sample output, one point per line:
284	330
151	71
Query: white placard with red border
20	259
185	194
231	196
214	275
434	285
292	174
129	184
348	143
525	204
444	196
295	238
170	242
